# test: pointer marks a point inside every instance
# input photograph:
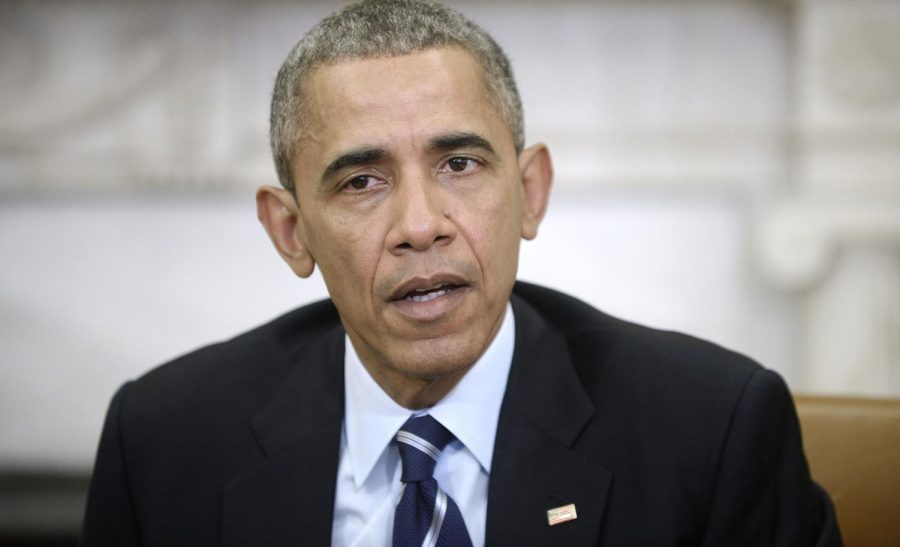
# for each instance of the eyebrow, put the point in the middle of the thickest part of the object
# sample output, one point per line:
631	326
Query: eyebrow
354	158
462	140
367	155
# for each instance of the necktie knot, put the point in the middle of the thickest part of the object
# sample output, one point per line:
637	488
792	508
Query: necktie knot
421	441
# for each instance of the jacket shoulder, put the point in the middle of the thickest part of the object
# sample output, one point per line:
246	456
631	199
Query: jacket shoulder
274	340
233	376
608	349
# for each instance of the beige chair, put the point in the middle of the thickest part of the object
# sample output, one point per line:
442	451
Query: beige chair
853	448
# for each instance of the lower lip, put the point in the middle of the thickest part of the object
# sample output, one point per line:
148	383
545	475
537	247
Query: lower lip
432	310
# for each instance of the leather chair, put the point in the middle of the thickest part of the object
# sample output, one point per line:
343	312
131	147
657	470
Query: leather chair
853	449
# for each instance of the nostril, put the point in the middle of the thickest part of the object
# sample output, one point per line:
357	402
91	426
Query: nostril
405	246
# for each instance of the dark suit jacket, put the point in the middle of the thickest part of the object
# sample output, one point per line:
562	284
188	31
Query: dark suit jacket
656	437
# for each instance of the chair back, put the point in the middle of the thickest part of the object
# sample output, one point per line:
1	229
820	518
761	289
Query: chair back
853	449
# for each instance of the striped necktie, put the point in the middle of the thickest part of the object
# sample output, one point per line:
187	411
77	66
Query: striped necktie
425	516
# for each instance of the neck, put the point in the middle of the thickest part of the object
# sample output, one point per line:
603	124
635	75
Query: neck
415	393
420	375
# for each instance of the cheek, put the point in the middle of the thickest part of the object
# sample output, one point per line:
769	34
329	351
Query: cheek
346	250
493	228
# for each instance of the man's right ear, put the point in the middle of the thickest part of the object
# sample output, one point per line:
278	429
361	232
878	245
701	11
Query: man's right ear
280	216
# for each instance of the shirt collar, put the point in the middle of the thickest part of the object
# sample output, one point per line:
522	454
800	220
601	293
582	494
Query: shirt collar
470	410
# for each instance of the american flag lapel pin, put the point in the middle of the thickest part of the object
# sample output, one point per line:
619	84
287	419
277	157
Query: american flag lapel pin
559	515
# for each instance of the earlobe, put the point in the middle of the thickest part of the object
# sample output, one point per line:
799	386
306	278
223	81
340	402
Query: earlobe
536	169
280	216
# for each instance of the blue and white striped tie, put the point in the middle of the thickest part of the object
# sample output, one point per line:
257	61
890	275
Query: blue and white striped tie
426	516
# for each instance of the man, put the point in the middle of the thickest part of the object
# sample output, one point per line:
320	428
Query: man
433	400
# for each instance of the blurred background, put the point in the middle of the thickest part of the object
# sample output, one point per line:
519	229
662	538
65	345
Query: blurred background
730	169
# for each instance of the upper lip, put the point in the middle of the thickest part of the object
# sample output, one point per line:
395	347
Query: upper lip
425	283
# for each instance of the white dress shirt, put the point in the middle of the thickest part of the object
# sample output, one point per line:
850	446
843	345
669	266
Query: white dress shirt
368	479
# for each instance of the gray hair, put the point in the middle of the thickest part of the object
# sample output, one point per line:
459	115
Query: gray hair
384	28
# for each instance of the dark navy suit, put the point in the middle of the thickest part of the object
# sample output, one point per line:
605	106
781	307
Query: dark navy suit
656	437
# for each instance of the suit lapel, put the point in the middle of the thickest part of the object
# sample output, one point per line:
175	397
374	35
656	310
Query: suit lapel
535	466
289	499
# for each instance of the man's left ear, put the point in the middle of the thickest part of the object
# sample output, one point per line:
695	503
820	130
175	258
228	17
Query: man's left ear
536	169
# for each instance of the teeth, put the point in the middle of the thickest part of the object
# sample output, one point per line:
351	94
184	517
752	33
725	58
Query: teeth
427	297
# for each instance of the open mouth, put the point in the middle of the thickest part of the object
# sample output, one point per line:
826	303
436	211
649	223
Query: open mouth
426	295
431	299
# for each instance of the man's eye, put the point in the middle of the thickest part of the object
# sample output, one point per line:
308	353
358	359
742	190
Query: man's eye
460	164
361	182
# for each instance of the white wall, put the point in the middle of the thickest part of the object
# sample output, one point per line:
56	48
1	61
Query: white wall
728	169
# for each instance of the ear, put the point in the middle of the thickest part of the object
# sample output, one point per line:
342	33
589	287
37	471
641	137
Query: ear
279	214
536	170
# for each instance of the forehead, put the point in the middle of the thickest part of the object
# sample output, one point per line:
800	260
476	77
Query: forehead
437	66
396	102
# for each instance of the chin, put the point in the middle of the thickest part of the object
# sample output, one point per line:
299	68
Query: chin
433	359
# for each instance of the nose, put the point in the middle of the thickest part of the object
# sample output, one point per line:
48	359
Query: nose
420	216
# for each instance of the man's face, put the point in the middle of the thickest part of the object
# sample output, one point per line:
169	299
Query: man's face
412	203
